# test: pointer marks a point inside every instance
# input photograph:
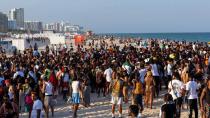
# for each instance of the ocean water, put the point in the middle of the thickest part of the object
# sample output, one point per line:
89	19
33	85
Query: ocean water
202	37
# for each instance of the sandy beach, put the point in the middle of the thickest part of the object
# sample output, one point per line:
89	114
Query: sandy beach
101	108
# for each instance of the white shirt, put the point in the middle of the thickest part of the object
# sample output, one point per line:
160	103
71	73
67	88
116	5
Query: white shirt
75	86
192	87
142	73
175	86
154	70
37	106
108	73
48	88
169	69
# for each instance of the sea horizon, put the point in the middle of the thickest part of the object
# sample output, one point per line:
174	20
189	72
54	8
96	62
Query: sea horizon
188	36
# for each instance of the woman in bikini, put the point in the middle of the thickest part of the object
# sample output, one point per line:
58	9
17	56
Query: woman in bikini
149	90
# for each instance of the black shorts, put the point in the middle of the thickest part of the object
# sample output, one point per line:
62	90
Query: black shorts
138	100
178	101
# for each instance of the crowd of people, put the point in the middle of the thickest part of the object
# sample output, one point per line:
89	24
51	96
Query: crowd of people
31	81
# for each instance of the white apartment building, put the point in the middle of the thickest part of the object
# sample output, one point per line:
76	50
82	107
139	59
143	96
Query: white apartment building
33	26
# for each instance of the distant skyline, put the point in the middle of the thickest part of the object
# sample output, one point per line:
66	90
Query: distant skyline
120	16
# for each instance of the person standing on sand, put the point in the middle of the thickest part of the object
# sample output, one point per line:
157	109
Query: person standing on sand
149	89
76	93
48	91
108	75
205	97
192	88
176	88
155	74
86	91
99	81
65	83
37	106
138	93
117	94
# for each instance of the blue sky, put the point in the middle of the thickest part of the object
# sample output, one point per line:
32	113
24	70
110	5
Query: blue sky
115	16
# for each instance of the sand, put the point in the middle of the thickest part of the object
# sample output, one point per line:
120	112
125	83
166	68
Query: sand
101	108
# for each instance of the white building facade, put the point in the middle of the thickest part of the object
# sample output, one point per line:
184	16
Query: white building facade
33	26
64	27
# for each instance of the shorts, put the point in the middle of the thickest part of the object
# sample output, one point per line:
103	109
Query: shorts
138	99
178	101
48	100
117	100
75	98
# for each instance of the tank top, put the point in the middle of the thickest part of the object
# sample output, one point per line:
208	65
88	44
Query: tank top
208	96
48	88
75	87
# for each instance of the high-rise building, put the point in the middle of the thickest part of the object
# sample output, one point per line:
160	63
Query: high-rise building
12	25
18	15
3	22
33	26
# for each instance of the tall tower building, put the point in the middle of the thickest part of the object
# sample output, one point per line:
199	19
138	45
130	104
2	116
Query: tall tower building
17	14
3	22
